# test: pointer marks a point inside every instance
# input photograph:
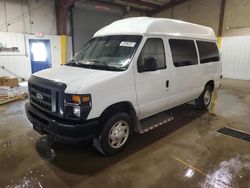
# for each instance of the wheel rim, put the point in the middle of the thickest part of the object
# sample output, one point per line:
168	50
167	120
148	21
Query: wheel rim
207	97
118	134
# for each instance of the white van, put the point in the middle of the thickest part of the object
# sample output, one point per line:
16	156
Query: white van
129	71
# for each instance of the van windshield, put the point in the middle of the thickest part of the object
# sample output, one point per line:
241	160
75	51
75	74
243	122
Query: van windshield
107	53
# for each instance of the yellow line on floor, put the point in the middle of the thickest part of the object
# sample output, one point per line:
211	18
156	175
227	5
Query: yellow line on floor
201	172
189	165
213	102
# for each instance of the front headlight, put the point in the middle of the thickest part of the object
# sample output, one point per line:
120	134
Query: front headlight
77	106
78	99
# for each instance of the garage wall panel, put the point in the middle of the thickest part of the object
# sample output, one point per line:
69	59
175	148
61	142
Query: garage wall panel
236	18
19	63
28	16
89	18
236	57
12	40
204	12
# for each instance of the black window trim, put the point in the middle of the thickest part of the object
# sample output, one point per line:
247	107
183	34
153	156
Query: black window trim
196	49
164	49
198	40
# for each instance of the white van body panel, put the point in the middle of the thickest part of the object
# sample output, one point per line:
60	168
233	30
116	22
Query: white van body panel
146	91
74	77
119	87
106	87
184	80
157	26
152	96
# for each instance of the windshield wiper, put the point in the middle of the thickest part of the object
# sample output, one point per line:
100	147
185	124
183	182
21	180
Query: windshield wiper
98	62
75	61
72	62
103	64
113	68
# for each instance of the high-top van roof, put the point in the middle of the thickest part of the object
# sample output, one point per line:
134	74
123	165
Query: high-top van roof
157	26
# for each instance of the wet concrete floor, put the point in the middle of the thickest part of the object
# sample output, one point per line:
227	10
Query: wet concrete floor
188	152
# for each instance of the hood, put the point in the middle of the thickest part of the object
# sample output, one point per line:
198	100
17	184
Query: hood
73	77
67	74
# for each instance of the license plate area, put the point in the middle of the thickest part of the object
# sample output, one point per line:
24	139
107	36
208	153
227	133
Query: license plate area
37	127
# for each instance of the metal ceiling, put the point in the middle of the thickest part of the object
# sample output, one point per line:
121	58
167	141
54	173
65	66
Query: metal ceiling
149	7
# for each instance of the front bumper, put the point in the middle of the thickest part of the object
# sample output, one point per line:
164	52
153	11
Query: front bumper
62	130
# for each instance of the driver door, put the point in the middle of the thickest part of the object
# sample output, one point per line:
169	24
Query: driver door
152	86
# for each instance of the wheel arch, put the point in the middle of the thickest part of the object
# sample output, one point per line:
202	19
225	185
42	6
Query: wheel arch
123	106
211	84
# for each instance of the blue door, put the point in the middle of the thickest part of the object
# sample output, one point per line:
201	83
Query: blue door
40	56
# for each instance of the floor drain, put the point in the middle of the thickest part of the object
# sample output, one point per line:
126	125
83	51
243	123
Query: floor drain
234	133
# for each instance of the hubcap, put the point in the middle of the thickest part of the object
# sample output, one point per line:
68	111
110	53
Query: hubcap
118	134
207	97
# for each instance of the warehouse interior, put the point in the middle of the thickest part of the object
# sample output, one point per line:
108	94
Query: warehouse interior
190	151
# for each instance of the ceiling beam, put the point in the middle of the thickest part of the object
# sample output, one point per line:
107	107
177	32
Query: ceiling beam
137	9
170	4
142	3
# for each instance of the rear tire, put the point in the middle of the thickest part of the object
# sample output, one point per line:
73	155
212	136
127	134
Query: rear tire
115	134
205	98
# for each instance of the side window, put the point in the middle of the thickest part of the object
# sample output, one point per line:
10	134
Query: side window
183	52
153	48
208	52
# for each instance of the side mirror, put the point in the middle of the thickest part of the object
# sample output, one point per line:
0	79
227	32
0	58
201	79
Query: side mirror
150	64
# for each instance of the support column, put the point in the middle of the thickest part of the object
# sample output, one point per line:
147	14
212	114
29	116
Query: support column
221	20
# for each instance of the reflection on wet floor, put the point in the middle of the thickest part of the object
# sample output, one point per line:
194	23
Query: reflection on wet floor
44	149
188	152
227	172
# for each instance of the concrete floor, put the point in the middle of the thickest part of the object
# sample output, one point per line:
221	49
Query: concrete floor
189	152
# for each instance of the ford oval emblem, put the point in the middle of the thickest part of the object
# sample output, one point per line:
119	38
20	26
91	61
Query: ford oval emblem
39	96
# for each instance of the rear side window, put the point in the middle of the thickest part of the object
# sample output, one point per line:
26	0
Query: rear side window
183	52
153	48
208	52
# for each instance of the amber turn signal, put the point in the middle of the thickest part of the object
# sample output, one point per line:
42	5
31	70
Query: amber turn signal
76	99
85	98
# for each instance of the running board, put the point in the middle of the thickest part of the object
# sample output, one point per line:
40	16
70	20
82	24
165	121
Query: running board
155	121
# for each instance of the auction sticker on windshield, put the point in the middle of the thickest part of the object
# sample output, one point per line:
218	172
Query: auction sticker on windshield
127	44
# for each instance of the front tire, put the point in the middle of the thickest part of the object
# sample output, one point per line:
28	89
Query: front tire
115	134
205	98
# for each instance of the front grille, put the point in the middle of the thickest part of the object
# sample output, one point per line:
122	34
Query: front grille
43	97
42	103
47	95
42	89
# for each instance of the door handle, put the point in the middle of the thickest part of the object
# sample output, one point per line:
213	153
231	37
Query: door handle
167	83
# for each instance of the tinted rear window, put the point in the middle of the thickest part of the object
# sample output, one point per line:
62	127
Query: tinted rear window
183	52
208	52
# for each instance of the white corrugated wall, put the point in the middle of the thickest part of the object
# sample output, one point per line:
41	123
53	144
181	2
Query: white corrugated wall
236	57
14	62
19	62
